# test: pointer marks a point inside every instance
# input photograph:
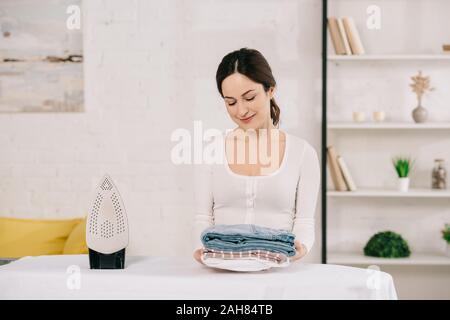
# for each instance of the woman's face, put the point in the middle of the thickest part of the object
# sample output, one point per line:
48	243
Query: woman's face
247	103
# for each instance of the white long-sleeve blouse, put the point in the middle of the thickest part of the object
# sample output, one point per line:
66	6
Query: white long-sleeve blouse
285	199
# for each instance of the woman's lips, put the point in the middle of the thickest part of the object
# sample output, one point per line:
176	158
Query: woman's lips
246	120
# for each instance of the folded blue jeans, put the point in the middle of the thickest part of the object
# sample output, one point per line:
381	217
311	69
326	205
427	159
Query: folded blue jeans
243	237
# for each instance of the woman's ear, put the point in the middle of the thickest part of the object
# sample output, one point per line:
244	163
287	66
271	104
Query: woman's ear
271	92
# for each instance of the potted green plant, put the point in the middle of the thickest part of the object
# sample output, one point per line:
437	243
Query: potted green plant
446	237
403	167
387	244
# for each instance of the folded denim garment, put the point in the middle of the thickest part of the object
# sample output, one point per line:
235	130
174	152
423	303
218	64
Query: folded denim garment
246	237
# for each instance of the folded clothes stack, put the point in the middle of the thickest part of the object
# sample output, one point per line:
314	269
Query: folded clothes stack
247	247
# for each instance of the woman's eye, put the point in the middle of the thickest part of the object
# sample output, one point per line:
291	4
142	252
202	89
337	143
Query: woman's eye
249	99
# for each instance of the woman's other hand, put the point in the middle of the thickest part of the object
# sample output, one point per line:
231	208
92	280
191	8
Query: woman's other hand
198	255
301	251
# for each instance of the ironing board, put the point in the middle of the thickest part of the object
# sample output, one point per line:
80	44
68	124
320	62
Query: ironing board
145	277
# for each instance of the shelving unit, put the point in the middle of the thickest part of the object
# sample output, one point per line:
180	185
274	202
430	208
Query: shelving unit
388	125
415	259
386	193
390	57
366	193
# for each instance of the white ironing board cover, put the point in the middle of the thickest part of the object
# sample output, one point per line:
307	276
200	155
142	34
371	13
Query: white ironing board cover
145	277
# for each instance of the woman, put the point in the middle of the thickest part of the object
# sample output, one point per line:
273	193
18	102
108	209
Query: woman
280	193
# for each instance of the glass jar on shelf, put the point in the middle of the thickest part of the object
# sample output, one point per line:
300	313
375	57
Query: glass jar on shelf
439	175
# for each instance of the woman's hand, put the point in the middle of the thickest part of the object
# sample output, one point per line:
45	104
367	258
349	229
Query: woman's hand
301	251
198	255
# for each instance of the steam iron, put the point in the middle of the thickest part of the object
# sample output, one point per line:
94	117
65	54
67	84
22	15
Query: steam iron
107	228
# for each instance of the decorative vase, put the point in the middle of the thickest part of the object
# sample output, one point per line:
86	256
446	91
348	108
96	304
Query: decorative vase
447	251
439	175
403	184
420	114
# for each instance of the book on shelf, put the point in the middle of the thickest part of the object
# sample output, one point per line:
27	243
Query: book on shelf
336	38
346	173
345	36
335	170
353	36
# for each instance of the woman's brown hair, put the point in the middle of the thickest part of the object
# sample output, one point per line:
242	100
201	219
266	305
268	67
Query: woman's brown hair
252	64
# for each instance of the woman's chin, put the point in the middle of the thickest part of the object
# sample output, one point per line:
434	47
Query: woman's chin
249	125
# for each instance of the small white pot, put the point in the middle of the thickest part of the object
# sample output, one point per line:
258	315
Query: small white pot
403	184
379	116
359	116
447	250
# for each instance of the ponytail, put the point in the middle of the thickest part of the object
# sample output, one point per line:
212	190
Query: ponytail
274	112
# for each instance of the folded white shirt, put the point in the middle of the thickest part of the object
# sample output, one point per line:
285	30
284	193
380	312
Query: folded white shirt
246	264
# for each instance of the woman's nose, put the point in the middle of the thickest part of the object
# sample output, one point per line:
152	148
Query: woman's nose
242	111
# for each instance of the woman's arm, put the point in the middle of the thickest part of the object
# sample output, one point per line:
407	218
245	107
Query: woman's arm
307	191
203	195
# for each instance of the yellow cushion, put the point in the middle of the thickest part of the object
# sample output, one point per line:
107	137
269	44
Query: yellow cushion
34	237
76	243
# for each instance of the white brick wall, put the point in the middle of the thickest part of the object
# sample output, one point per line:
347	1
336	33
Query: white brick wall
149	69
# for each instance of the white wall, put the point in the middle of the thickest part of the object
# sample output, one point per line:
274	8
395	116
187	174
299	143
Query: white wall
150	69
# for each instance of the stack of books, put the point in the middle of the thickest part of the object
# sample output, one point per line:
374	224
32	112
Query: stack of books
339	172
345	36
446	48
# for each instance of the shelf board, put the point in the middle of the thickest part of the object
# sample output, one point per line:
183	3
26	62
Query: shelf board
387	125
388	57
383	193
415	259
